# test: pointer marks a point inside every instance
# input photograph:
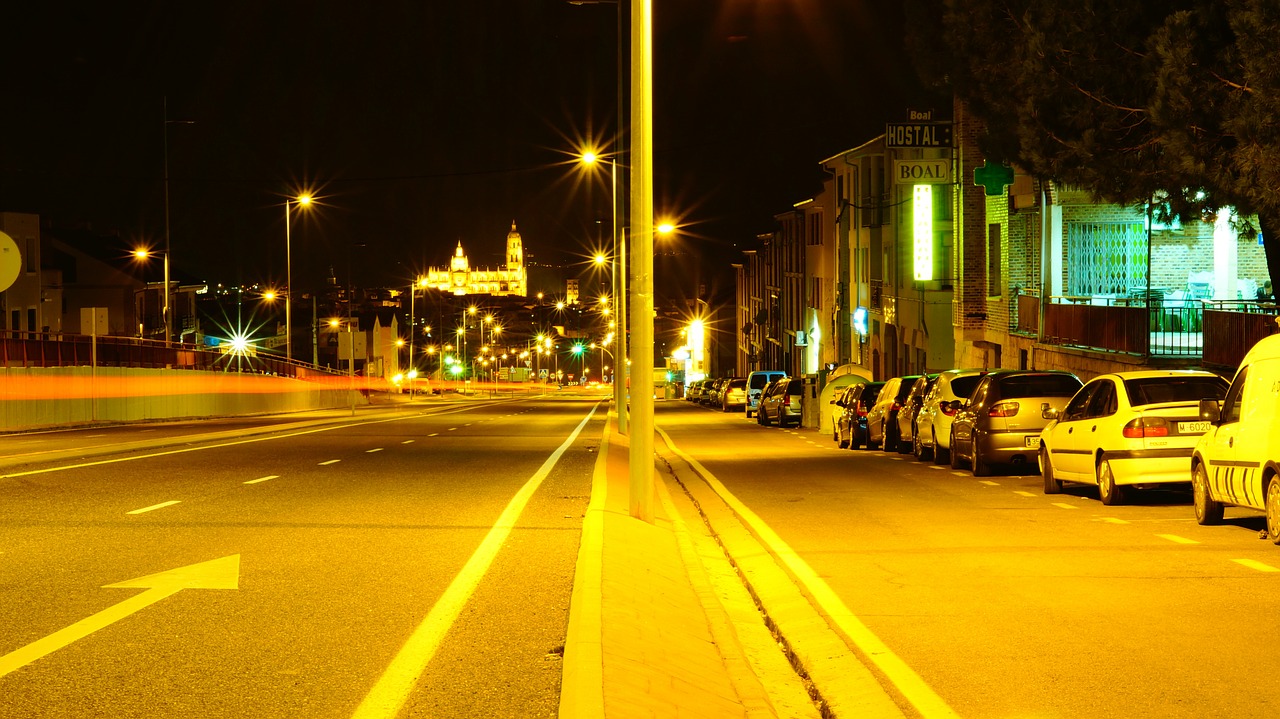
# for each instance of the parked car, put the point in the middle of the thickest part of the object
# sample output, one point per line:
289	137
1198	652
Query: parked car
780	402
1000	424
933	423
711	397
836	408
756	382
882	419
851	427
734	394
1127	429
1237	460
910	408
694	390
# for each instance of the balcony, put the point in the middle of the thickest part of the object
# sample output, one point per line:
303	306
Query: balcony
1204	331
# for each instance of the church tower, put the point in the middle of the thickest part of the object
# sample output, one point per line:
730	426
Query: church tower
515	249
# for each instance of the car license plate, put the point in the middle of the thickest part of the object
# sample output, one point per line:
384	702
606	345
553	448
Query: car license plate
1193	427
1033	442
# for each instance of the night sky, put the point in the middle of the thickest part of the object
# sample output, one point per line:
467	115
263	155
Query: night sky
420	124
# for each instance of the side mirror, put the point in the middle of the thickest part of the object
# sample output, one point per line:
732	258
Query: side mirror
1049	413
1210	410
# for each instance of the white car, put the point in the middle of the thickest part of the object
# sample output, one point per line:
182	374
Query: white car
1237	460
1127	429
933	424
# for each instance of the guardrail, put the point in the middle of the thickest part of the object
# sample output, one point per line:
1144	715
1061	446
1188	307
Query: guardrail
32	349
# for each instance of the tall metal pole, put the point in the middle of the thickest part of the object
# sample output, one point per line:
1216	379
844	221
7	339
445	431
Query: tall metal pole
168	334
640	459
620	295
288	282
412	287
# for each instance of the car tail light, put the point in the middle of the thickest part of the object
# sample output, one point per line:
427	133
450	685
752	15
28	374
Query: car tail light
947	408
786	400
1004	409
1146	427
862	411
895	406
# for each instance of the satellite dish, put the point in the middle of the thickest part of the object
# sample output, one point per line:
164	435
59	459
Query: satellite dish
10	262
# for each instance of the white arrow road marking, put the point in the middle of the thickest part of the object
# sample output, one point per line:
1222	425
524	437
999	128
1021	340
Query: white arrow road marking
155	506
215	574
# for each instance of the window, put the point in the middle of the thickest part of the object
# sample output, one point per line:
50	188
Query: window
995	281
1231	405
1076	407
1103	403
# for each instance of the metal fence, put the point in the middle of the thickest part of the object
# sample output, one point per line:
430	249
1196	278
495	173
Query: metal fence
29	349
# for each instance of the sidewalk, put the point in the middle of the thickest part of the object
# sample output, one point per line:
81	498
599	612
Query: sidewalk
660	624
696	614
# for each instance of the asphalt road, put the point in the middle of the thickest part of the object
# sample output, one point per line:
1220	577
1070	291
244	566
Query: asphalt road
329	547
1006	601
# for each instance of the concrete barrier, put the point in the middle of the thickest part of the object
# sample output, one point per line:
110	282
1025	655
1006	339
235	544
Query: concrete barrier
42	397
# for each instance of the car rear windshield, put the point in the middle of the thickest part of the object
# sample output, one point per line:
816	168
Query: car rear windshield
870	393
758	381
1038	385
904	389
963	386
737	383
793	387
1153	390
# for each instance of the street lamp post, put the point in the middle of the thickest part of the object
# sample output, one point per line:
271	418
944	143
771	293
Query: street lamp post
143	254
302	200
619	284
640	460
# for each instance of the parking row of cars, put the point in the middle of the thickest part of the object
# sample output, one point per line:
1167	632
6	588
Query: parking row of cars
728	393
1122	432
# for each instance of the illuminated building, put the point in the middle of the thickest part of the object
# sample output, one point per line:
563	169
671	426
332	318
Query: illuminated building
460	278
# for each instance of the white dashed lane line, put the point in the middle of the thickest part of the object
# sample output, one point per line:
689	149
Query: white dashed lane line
1112	520
371	451
1176	539
332	461
989	483
153	507
434	434
263	479
452	429
409	441
1256	565
1021	493
1065	505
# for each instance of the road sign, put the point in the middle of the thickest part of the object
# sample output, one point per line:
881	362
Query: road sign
543	374
917	134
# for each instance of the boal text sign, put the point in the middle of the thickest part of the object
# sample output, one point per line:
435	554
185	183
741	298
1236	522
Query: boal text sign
922	172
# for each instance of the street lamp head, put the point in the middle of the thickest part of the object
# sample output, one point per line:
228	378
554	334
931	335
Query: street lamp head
589	157
601	259
304	199
666	228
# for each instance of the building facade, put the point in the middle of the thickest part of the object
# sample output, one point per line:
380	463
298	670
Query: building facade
460	278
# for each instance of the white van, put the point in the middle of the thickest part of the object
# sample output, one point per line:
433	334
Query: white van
756	382
1237	460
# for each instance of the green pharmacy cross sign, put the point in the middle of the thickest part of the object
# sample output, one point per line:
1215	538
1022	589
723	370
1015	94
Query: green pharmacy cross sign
993	178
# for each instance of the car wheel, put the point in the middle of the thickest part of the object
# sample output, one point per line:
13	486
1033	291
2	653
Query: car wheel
1273	510
952	454
917	448
940	455
764	418
980	466
1051	483
1108	491
1208	511
842	442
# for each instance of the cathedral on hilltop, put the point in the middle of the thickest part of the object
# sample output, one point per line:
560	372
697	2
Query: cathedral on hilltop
460	278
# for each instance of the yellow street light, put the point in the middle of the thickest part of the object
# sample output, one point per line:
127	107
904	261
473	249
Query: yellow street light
143	253
303	200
